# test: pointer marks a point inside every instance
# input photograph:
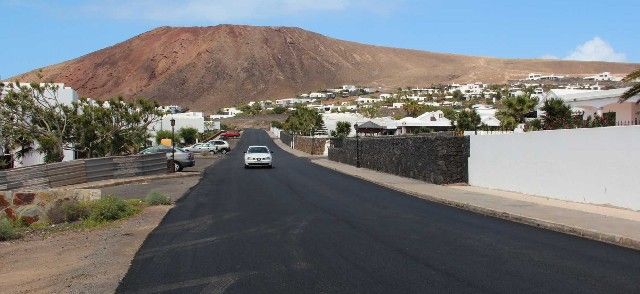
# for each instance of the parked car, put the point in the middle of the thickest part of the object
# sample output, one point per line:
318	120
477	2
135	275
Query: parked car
220	146
230	134
258	156
201	147
183	158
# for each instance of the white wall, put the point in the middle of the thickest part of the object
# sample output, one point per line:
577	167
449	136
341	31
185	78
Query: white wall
183	120
34	157
597	165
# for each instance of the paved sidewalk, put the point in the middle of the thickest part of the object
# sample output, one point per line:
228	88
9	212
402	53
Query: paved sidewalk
602	223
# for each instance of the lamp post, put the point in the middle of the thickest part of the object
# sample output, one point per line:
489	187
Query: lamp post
173	145
357	147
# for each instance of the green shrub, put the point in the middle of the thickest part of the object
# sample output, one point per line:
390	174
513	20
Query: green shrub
157	198
55	214
75	210
68	211
7	230
111	208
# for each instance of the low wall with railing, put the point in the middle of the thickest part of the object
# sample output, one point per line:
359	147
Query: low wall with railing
314	145
45	176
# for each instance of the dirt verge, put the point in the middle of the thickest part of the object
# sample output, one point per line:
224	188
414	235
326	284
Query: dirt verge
91	261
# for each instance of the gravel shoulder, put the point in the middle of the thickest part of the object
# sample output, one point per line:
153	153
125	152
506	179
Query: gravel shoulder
89	261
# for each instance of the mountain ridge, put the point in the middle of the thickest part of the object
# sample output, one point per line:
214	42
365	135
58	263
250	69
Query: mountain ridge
205	68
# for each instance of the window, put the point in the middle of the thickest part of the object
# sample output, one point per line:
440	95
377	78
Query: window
163	150
258	150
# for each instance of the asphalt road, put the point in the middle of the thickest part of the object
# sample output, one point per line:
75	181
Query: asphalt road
172	187
301	228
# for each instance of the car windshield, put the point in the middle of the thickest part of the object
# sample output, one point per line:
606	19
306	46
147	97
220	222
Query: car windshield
258	150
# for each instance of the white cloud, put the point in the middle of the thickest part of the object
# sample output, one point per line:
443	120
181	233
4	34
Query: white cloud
211	10
596	49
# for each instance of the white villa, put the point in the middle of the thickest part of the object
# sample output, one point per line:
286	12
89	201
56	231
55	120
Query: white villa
63	95
293	101
183	120
487	114
605	76
226	113
597	102
315	95
367	100
538	77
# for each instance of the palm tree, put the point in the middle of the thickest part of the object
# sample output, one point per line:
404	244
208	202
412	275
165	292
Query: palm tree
635	89
515	109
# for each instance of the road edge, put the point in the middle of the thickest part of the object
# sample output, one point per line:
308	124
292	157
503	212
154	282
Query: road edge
133	180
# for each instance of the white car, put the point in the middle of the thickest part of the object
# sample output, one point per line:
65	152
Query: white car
258	156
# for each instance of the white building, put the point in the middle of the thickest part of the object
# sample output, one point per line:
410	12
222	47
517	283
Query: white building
171	109
604	76
350	88
538	77
61	94
226	113
597	102
367	100
316	95
385	96
487	115
183	120
435	119
287	102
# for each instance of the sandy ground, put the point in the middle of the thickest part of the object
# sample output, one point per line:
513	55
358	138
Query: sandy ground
91	261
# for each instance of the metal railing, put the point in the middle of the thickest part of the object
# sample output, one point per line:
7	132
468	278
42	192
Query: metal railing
74	172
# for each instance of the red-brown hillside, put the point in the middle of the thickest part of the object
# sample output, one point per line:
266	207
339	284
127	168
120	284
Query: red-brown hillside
209	67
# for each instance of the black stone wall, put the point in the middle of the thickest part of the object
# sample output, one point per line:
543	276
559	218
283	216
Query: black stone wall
438	159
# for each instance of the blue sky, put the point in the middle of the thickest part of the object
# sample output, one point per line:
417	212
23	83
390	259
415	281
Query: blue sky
37	33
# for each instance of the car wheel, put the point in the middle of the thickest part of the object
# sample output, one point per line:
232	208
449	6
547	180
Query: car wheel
177	167
224	151
246	166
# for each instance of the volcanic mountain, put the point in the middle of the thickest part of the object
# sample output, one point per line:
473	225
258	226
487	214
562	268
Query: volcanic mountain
206	68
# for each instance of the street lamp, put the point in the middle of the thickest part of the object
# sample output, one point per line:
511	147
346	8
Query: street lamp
173	145
357	146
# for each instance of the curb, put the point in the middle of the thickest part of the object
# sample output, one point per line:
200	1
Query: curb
538	223
134	180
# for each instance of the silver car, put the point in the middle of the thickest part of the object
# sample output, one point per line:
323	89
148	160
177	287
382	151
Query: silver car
221	146
183	158
201	148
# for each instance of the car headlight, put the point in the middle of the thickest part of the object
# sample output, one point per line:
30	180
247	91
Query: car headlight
268	158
